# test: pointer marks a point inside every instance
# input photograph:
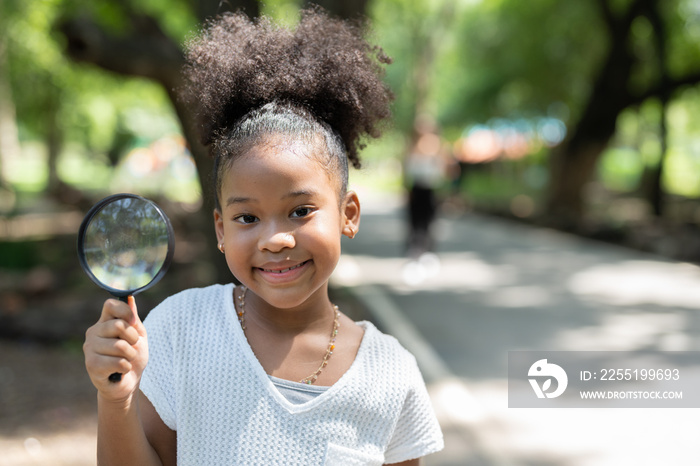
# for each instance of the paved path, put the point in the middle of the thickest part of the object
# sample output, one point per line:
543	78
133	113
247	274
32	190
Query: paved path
504	286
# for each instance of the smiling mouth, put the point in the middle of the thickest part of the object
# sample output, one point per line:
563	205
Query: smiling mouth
287	269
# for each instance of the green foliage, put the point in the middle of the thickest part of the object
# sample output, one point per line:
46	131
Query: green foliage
492	188
29	174
683	20
35	62
637	146
100	115
394	30
681	174
490	59
620	169
285	12
513	58
20	255
174	16
503	58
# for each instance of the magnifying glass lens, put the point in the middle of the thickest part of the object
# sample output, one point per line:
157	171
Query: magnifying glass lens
126	244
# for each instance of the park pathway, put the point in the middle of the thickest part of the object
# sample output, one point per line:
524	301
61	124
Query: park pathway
500	286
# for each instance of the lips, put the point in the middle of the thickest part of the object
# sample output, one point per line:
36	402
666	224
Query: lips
280	271
284	272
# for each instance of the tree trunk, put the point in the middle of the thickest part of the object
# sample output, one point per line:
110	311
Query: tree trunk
9	139
656	195
656	192
148	52
566	206
574	163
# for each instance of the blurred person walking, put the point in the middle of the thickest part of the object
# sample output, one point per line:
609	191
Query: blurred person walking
424	172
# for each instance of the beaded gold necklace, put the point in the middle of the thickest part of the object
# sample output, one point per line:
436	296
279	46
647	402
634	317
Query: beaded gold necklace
331	344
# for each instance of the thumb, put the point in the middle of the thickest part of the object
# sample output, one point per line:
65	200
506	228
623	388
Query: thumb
136	320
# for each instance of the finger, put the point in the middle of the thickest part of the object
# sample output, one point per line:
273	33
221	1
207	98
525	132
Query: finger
113	347
115	309
115	328
102	366
116	347
131	301
138	325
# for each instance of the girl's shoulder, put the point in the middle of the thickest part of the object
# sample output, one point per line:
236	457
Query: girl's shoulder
376	337
192	302
384	351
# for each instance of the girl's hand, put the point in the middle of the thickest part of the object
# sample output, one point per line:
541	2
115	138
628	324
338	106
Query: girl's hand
116	343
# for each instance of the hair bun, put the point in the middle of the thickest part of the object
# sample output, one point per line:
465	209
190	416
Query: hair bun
237	64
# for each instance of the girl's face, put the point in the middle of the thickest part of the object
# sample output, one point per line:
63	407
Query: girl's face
281	222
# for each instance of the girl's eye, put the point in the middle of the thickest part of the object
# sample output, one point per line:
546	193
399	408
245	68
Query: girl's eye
246	219
301	212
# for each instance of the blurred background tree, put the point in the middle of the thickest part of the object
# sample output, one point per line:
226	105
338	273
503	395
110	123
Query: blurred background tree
584	64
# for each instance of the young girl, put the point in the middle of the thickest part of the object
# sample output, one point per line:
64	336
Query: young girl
269	372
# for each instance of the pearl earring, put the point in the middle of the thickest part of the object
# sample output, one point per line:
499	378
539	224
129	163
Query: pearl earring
221	247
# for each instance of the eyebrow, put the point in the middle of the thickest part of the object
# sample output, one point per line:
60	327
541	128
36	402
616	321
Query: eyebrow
242	200
301	192
237	200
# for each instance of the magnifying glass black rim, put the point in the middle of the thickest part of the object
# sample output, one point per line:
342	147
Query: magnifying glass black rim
81	243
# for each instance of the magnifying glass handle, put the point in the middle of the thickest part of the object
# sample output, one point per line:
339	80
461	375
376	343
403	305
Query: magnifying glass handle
117	377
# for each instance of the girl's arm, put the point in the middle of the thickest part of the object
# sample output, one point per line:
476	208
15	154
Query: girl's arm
160	436
117	343
414	462
121	438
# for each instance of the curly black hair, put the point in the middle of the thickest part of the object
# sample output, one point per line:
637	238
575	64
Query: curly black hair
240	70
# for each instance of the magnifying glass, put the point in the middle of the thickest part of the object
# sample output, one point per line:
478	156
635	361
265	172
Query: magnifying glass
125	245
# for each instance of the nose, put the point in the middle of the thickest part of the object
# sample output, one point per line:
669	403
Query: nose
275	239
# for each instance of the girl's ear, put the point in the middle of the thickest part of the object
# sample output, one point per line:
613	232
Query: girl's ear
351	214
219	226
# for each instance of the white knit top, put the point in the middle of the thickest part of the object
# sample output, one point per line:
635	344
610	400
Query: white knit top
205	382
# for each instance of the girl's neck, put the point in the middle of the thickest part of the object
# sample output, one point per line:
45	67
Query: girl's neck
314	314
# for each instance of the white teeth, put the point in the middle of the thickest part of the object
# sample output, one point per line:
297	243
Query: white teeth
285	270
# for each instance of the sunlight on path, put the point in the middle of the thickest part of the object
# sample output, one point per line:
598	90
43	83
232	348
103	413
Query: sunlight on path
74	447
